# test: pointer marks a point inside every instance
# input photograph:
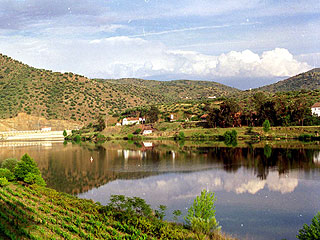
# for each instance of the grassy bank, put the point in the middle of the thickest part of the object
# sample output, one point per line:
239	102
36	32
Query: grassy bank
191	131
34	212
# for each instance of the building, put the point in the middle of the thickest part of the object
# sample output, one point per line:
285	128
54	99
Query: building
132	121
147	132
315	109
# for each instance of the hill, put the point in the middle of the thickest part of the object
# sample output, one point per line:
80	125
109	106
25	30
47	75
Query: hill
176	90
69	96
42	213
309	81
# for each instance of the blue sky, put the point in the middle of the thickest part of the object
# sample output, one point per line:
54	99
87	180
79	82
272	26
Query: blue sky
240	43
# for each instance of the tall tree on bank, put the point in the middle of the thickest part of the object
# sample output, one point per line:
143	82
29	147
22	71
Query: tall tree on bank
152	115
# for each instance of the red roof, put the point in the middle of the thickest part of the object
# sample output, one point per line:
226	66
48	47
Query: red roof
316	105
132	119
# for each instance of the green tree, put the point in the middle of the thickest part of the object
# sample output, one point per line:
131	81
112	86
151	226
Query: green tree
3	182
266	126
9	163
311	232
4	172
32	178
201	215
101	124
65	133
24	166
152	115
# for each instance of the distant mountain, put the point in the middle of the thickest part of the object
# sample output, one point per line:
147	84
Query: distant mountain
69	96
309	81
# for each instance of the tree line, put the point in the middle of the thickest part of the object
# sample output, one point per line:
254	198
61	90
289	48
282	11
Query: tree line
279	110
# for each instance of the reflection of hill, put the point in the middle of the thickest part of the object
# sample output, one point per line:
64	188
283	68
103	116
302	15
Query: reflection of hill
69	169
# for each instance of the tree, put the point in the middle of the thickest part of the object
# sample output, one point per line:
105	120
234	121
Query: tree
266	126
65	133
101	124
153	114
311	232
201	215
9	163
24	166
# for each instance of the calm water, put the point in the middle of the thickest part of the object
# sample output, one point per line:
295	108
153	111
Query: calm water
264	191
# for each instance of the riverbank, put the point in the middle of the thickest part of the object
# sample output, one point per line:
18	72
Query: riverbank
34	212
190	131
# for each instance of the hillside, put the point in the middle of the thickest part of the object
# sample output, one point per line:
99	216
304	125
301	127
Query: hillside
41	213
69	96
309	81
176	90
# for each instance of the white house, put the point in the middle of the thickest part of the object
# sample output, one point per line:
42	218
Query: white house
131	121
147	131
315	109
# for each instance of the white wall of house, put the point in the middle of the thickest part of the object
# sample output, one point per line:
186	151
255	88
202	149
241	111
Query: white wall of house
125	121
146	132
316	110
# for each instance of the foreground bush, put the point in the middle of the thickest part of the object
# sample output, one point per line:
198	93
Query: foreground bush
24	166
311	232
201	215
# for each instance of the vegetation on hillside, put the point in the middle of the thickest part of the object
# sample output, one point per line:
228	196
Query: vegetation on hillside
308	81
55	95
30	211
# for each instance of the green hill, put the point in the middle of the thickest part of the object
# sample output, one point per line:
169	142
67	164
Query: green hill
309	81
177	90
69	96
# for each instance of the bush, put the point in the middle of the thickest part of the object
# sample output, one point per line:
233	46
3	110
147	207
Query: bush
201	215
130	136
3	182
137	131
77	138
6	173
24	166
266	126
65	133
230	137
311	232
9	163
32	178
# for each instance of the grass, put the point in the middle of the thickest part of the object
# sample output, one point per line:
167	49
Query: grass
34	212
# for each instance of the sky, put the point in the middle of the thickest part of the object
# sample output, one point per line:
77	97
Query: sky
240	43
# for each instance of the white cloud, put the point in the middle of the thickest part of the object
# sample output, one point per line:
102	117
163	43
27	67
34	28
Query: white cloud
118	57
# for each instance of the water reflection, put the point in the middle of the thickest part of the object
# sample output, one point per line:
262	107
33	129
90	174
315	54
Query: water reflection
262	188
76	168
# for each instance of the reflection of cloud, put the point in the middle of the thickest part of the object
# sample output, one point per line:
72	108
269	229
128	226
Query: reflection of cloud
283	185
252	187
316	157
188	185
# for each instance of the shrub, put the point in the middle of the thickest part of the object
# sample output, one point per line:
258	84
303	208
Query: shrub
266	126
32	178
130	136
137	131
77	138
65	133
3	182
311	232
9	163
24	166
201	215
230	137
4	172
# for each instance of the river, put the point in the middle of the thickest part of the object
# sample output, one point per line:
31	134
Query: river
264	190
